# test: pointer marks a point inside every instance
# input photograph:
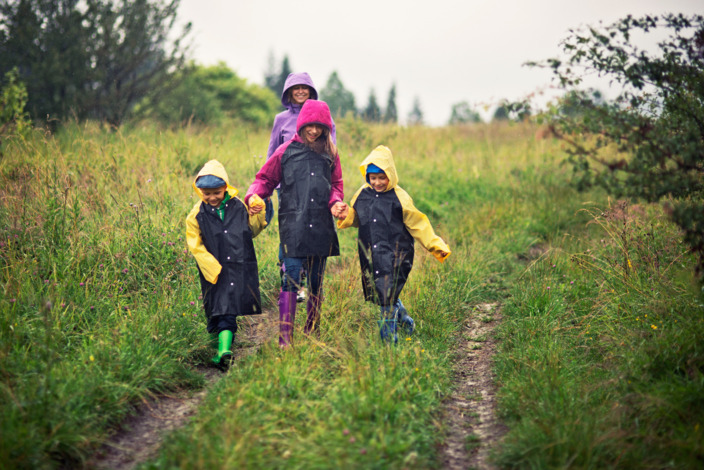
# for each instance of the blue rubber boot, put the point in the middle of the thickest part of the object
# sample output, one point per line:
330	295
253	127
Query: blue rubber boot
387	327
405	322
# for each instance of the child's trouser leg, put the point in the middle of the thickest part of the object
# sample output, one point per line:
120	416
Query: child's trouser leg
387	325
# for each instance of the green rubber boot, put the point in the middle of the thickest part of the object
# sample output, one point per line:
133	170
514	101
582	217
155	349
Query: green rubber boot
224	356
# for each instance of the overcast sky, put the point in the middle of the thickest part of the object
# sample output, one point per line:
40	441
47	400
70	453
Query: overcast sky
440	51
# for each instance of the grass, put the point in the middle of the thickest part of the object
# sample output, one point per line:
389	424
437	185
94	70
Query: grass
599	362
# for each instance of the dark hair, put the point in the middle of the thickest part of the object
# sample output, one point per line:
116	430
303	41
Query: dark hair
323	144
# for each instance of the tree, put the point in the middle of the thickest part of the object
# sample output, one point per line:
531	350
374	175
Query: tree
415	117
372	113
207	95
391	114
500	113
271	76
13	99
656	121
47	43
93	58
462	113
339	99
275	80
512	110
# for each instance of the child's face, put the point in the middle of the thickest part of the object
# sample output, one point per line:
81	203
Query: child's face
214	196
299	94
311	132
378	181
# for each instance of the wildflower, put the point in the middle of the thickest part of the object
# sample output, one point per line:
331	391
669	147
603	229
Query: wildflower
101	265
46	281
408	339
553	265
92	307
91	358
653	327
571	282
630	266
352	440
422	350
124	271
63	304
192	302
81	284
345	431
363	451
12	301
548	287
149	180
416	369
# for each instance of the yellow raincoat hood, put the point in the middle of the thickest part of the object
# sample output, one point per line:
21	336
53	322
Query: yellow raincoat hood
381	157
215	168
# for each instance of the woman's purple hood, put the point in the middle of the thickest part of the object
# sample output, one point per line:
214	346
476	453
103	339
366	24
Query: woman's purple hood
314	112
297	79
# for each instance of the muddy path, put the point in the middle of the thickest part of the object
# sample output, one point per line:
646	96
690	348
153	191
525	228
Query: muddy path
141	435
469	414
470	411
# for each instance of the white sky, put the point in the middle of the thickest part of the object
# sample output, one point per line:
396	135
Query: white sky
441	51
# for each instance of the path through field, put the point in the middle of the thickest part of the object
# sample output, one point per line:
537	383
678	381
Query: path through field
469	414
141	435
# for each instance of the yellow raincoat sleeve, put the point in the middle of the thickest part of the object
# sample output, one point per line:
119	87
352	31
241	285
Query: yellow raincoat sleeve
257	222
351	220
419	227
208	264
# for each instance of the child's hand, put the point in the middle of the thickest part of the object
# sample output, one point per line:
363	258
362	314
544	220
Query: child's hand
337	208
344	212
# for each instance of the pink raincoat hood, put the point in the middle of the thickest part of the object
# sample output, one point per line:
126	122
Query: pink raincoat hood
314	112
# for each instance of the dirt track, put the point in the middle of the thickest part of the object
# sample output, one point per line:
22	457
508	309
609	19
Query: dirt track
469	414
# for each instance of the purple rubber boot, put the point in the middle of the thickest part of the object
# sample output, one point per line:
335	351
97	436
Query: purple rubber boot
287	315
313	319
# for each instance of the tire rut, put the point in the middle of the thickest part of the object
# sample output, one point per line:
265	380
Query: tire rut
140	436
470	411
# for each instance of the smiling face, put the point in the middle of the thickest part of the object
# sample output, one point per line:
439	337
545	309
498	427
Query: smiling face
378	181
214	196
311	132
299	94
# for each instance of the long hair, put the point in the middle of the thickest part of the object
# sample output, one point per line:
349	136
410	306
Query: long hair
323	144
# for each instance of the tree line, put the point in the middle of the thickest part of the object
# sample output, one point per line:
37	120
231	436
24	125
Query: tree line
113	60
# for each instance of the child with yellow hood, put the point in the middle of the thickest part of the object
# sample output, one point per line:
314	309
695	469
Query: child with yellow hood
388	224
219	232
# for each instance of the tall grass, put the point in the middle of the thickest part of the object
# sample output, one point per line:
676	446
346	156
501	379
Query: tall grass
101	308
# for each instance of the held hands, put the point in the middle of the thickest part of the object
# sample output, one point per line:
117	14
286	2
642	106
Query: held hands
256	205
340	210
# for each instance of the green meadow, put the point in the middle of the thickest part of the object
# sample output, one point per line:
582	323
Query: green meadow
600	356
